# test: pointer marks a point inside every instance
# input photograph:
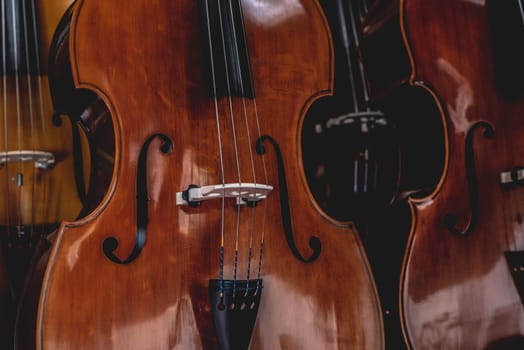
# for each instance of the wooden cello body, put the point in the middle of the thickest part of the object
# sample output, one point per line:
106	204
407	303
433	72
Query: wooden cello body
461	283
208	236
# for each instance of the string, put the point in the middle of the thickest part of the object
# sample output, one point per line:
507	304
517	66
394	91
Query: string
19	176
252	226
347	46
248	134
234	140
217	119
230	103
264	214
40	95
30	102
354	32
357	20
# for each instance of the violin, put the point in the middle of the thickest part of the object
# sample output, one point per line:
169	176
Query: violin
461	280
207	236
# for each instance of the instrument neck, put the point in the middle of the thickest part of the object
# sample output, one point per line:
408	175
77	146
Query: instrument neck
350	16
20	50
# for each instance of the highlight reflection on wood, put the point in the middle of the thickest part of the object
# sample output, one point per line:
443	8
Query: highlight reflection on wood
36	159
134	274
457	289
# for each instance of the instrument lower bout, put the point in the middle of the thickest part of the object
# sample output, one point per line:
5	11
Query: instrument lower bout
459	285
157	264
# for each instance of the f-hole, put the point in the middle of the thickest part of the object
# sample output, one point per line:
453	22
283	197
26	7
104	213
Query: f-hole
314	242
224	19
110	244
450	220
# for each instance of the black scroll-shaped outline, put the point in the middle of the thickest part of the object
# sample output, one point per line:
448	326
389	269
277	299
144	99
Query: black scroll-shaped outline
450	220
314	242
110	244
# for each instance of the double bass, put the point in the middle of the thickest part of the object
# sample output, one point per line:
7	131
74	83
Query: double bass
208	236
461	282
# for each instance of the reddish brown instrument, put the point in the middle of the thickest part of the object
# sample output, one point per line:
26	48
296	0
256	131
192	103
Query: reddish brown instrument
467	237
147	61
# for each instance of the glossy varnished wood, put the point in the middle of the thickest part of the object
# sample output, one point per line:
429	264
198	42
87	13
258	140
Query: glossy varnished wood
145	60
32	207
47	195
457	292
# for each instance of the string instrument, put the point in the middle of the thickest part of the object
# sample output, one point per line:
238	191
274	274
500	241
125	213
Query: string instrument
208	236
349	145
461	282
419	136
351	152
37	163
38	169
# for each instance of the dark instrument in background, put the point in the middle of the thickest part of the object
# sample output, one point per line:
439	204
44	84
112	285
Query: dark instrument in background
419	134
461	283
350	147
352	156
38	169
208	236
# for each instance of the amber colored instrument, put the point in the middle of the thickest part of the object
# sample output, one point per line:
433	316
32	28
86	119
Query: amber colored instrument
38	180
208	236
36	161
462	281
